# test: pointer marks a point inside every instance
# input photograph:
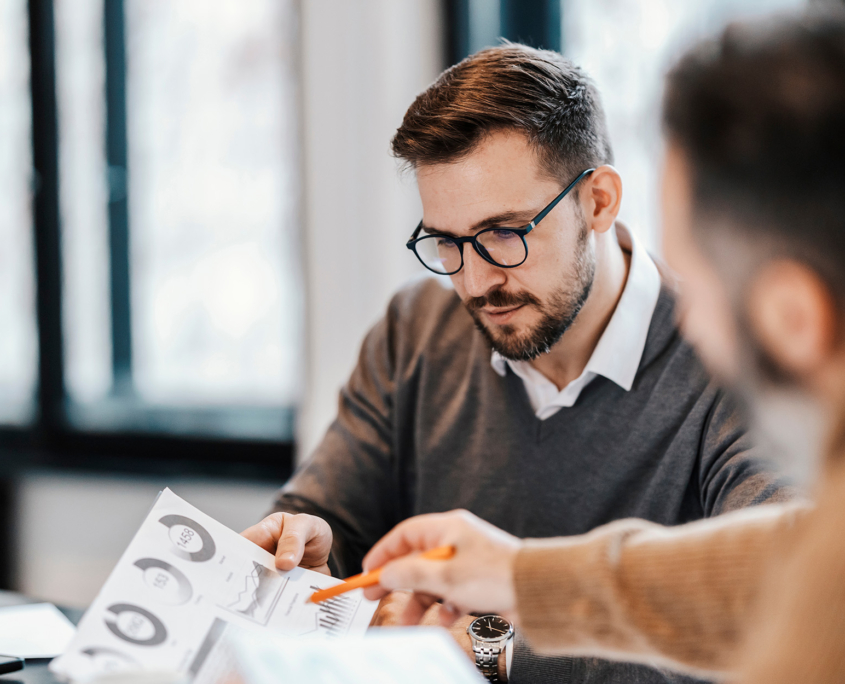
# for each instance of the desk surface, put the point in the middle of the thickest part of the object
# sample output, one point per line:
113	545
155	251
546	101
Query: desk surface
36	671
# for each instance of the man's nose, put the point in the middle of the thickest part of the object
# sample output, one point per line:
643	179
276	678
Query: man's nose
479	276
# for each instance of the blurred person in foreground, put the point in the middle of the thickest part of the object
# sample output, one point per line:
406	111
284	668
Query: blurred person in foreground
549	390
754	212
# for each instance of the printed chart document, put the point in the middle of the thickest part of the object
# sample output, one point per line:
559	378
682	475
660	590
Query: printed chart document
414	655
185	588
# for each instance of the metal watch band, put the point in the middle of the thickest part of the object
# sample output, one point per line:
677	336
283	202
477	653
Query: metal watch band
487	660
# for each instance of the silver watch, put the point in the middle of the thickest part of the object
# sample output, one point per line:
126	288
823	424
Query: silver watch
490	634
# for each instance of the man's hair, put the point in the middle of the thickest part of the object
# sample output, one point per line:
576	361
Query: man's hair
509	87
759	114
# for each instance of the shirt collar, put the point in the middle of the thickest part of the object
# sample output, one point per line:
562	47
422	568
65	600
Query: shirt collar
619	350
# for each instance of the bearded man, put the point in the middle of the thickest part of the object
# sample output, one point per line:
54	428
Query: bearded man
754	220
548	391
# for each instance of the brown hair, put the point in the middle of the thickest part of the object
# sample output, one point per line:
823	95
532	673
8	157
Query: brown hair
759	114
536	92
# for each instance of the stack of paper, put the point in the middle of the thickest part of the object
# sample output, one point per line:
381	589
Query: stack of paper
385	656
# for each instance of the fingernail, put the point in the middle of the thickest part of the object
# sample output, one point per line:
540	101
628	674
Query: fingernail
287	557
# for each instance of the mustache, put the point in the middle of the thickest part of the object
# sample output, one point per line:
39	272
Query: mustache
500	298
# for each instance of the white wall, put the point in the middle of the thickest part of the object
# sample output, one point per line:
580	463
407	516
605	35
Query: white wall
362	64
73	528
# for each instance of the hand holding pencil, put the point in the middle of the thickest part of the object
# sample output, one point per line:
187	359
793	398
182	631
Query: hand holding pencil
477	575
370	579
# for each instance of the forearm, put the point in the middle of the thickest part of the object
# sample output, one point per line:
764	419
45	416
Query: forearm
637	591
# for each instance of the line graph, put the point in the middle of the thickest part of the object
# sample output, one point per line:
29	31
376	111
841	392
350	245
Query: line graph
261	592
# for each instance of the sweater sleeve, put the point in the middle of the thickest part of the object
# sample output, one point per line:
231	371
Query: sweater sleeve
632	590
349	480
799	635
733	474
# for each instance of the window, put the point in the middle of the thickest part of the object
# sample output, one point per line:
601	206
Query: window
150	286
182	302
19	340
80	81
627	46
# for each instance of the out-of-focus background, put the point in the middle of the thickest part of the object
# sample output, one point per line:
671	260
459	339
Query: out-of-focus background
200	219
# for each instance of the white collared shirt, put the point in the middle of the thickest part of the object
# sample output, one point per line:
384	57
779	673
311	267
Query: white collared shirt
620	348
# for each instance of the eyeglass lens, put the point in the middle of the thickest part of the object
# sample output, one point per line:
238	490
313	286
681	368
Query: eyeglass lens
442	254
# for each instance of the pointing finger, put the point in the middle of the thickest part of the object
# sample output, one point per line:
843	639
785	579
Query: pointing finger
421	533
416	574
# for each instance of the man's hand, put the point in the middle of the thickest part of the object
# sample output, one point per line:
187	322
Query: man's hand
392	608
296	540
477	579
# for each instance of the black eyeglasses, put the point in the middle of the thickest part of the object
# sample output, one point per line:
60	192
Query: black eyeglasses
504	247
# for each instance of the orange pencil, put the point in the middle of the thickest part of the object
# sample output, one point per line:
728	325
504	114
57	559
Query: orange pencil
368	579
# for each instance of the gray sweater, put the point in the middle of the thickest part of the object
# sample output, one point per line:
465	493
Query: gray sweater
425	424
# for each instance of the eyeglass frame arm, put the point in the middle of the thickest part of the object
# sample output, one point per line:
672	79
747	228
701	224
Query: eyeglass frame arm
522	232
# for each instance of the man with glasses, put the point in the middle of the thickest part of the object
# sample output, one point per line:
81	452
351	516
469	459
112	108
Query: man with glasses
505	247
548	390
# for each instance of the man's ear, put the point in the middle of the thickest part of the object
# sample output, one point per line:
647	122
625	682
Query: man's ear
793	315
602	197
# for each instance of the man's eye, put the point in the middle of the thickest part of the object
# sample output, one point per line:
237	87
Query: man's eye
445	242
504	234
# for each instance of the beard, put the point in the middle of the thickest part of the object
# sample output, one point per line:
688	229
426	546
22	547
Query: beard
786	420
558	313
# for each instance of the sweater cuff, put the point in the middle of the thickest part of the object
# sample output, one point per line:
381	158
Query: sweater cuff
562	587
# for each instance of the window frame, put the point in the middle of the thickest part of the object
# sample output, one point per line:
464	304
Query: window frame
533	22
52	440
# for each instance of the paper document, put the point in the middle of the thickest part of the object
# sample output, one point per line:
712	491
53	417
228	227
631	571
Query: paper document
39	630
184	587
415	655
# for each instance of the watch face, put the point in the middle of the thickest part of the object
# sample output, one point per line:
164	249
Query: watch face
490	627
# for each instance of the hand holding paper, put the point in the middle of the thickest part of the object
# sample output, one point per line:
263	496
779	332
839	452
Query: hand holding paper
295	540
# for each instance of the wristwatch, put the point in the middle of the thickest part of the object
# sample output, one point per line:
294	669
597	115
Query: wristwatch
490	634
